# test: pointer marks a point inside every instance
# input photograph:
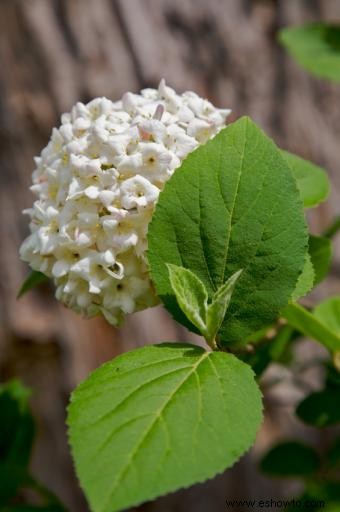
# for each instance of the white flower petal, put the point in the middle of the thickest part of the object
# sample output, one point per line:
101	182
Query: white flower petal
130	164
138	191
60	268
92	192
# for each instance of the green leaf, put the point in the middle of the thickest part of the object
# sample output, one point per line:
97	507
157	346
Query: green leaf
17	425
276	348
333	455
316	266
32	280
160	418
258	359
312	181
219	304
320	250
310	325
321	408
232	204
316	47
192	298
12	478
305	281
290	459
321	495
332	379
279	346
191	295
328	313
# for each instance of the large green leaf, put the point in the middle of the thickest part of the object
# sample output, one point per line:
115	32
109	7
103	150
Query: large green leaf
316	47
290	458
160	418
233	204
312	181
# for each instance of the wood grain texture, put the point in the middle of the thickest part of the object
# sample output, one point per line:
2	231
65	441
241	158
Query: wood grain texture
55	52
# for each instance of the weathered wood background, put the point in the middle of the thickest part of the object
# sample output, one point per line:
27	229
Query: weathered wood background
55	52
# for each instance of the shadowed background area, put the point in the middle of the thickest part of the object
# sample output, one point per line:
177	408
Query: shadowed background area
56	52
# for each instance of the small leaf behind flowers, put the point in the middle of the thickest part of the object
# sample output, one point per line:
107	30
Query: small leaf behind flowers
32	280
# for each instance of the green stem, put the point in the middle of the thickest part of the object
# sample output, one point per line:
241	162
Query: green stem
211	342
310	326
281	341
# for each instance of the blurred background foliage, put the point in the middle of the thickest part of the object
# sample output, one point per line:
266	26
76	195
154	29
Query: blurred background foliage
56	52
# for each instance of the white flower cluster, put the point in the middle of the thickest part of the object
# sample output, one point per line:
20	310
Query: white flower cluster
97	183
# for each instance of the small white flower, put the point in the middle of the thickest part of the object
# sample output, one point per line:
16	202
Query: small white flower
130	164
151	130
92	192
180	142
138	191
201	130
97	182
155	157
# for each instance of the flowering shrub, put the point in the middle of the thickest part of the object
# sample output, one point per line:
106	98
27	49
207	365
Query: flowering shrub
222	242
